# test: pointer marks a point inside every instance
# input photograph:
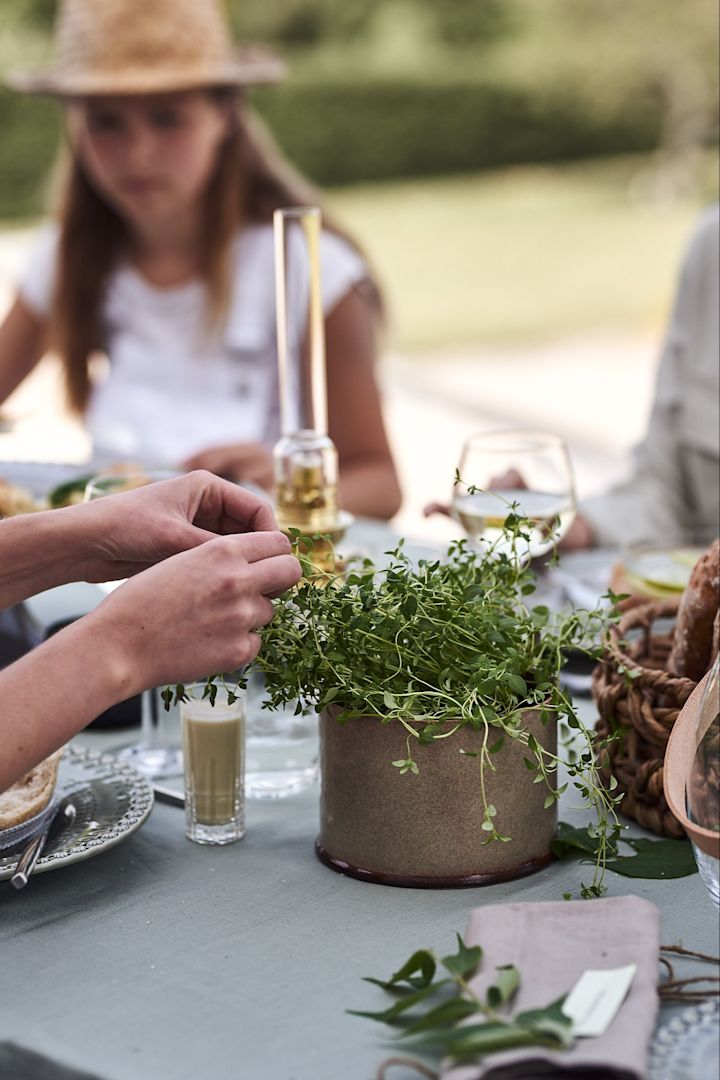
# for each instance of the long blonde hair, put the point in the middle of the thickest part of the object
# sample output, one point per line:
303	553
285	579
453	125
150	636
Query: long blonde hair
250	181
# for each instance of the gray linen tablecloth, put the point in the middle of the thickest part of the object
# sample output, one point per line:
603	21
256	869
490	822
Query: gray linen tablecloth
163	960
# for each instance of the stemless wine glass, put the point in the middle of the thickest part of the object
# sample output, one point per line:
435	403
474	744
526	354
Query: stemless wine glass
525	472
158	753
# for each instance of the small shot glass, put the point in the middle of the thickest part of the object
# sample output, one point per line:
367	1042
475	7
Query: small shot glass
213	738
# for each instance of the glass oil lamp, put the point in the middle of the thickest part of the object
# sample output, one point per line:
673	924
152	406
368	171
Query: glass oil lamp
305	458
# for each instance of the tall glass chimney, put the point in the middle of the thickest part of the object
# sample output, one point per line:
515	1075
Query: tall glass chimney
305	458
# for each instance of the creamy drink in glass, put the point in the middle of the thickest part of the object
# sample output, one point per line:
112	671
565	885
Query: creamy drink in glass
213	739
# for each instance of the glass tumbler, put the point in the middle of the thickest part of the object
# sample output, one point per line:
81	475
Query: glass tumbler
214	763
282	748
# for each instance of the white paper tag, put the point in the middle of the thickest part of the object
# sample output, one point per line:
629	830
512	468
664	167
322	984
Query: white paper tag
596	997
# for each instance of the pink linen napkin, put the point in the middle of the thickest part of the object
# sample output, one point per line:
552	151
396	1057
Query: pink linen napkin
552	944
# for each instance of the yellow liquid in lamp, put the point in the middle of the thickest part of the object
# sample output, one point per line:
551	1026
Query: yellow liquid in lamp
306	495
305	499
304	502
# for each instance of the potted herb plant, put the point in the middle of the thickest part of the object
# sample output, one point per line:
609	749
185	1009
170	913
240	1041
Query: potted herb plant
439	700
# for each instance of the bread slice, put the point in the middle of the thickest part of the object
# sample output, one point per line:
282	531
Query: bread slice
30	794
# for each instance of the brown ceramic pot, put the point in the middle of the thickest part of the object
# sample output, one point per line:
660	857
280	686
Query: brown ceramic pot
424	831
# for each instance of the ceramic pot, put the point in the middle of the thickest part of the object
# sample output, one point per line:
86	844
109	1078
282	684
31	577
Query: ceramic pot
424	831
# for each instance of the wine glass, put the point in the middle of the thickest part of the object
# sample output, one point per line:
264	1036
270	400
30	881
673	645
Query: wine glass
524	472
158	753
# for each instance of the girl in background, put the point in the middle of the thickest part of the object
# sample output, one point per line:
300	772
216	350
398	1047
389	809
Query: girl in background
162	257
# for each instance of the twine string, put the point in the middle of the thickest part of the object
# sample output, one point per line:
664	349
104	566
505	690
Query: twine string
676	989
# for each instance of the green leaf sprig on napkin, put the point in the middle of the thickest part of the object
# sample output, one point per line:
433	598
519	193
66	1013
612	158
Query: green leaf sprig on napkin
432	1014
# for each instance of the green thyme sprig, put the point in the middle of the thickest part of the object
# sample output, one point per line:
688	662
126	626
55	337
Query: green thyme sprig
173	695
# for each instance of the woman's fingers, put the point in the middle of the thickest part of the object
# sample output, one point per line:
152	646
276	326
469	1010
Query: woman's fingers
437	508
510	480
198	611
223	507
240	461
263	545
216	460
274	576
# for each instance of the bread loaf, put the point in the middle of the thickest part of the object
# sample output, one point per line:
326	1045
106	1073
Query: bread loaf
693	640
30	794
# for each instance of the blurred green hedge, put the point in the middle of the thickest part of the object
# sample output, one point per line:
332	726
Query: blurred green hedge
29	134
339	132
343	131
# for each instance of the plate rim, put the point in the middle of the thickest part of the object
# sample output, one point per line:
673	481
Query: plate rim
667	1038
137	817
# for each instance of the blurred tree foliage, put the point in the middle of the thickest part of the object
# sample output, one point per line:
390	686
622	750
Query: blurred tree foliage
391	88
311	22
37	13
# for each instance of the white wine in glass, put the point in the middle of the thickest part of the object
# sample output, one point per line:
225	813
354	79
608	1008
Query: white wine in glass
527	473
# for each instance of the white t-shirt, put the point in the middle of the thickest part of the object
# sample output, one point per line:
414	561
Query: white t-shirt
172	388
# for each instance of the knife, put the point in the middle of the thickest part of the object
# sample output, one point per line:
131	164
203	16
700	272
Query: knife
26	863
168	795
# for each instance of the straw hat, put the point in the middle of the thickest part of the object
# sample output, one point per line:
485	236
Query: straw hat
145	46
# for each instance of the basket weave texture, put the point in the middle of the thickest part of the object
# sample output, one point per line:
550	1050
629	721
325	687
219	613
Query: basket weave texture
640	700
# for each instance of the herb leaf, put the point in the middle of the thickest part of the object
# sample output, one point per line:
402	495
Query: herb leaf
465	961
421	961
390	1015
505	986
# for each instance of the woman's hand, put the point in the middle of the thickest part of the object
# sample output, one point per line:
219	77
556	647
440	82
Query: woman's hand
195	613
242	462
511	480
192	615
122	534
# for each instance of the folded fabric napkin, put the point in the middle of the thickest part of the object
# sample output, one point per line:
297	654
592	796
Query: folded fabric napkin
18	1063
20	834
552	944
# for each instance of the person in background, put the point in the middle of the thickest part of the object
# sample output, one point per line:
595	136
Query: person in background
673	493
161	256
203	559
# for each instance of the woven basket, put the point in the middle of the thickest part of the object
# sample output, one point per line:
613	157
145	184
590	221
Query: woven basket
642	707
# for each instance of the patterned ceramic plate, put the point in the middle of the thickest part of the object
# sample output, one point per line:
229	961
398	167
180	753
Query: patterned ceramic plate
112	801
688	1046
